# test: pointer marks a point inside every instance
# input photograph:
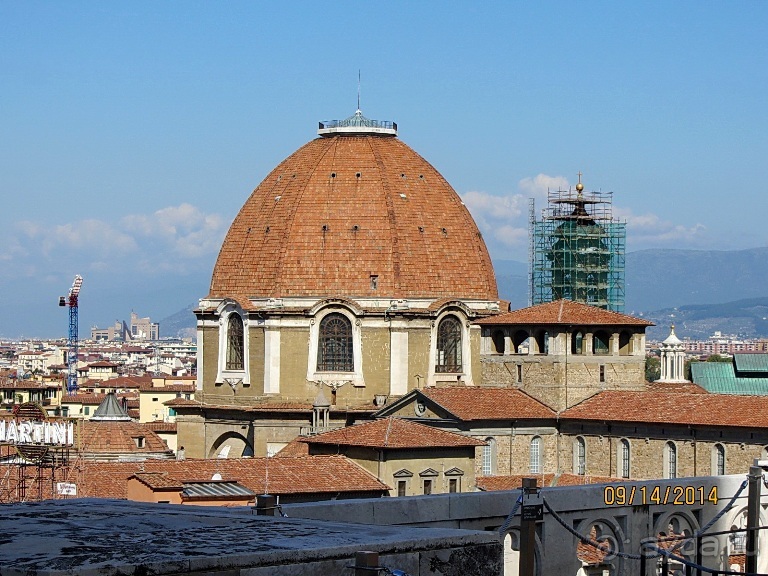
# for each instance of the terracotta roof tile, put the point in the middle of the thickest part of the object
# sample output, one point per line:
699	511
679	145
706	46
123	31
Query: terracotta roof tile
564	313
177	402
672	387
288	475
158	480
680	408
392	433
111	437
479	403
89	399
160	426
368	195
294	448
171	388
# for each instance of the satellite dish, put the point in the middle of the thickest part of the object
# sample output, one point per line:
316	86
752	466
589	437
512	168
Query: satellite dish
216	476
224	452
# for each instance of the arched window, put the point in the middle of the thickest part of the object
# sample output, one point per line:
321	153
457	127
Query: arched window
489	457
625	344
334	350
718	460
449	345
577	342
580	456
601	342
519	339
542	342
670	460
535	455
498	341
235	343
624	457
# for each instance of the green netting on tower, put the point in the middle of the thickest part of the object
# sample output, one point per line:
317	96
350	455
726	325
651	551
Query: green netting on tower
578	251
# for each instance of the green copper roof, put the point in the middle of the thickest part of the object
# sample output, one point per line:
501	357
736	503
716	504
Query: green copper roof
720	378
751	363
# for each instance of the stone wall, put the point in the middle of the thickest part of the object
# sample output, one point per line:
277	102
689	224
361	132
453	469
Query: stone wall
562	381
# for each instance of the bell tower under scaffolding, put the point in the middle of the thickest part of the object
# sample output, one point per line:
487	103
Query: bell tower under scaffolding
577	250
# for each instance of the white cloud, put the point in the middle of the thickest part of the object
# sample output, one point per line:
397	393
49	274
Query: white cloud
511	235
503	220
650	231
188	232
537	186
494	207
170	239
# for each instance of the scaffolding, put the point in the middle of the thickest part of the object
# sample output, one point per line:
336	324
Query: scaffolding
31	469
25	478
577	250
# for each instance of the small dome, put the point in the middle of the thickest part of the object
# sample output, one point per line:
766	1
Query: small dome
672	339
354	214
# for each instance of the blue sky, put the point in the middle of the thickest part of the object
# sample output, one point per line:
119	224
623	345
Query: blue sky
131	133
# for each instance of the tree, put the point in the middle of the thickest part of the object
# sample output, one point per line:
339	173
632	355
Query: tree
718	358
652	368
688	367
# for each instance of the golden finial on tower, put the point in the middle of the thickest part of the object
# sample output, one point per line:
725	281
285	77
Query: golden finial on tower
579	186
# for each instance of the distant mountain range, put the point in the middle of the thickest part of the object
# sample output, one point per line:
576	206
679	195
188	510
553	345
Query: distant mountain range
701	291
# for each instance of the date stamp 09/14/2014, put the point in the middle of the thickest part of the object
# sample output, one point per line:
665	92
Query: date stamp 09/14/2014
620	495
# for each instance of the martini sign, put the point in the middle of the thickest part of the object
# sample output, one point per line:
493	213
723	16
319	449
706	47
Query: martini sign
33	434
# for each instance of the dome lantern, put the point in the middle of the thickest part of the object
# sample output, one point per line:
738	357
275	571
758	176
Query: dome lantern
357	124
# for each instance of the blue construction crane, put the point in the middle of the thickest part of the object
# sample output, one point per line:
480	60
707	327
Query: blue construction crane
71	301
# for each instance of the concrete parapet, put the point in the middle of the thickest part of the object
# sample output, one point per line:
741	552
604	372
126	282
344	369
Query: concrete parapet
110	537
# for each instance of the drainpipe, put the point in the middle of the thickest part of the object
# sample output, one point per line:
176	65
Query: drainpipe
695	455
557	445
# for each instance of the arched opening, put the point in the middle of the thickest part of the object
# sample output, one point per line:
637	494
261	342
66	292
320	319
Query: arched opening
489	457
231	445
534	456
624	457
449	345
512	554
670	460
520	337
235	343
577	342
601	342
580	456
718	460
597	559
498	341
334	350
542	342
625	343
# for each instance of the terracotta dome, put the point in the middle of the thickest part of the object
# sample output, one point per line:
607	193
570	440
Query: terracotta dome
345	208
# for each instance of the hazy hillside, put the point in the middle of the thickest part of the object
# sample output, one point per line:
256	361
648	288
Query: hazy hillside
182	324
659	279
512	280
746	318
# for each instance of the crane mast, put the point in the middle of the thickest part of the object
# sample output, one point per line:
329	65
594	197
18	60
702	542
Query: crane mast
71	301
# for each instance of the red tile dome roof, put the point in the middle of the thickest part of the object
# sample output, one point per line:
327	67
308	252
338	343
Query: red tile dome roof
347	207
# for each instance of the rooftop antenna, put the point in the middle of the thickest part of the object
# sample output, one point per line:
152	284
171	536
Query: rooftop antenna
358	89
